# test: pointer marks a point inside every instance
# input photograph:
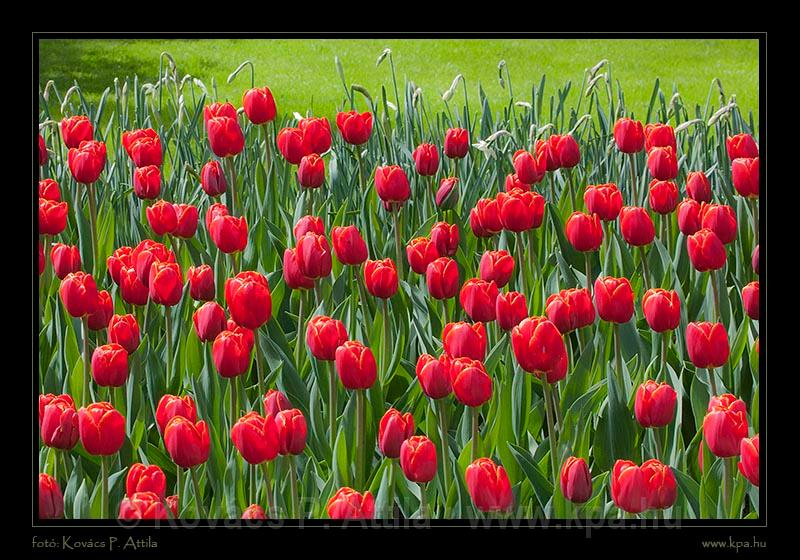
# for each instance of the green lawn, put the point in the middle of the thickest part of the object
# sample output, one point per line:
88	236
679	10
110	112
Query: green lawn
302	74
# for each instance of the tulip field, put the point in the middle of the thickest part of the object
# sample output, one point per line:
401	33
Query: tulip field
516	308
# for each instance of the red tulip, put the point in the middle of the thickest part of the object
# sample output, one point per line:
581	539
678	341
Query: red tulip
445	237
291	145
725	425
145	478
662	488
231	353
225	136
545	157
104	309
52	217
324	335
248	299
313	224
655	404
58	421
511	309
604	200
659	135
484	219
187	216
254	511
662	163
719	218
426	159
497	267
49	190
209	321
662	309
87	161
689	216
707	344
393	430
745	175
636	225
741	146
216	210
229	233
187	443
291	425
170	406
143	147
110	365
539	348
355	365
132	289
434	376
663	196
314	255
119	258
162	217
564	149
78	294
614	299
629	487
526	168
256	438
212	178
447	194
629	135
42	151
292	274
218	110
516	209
348	245
275	401
441	277
145	254
391	184
750	300
166	283
697	186
51	500
706	251
311	171
570	309
65	259
456	143
584	231
478	298
472	385
316	134
124	330
749	464
143	505
488	486
101	428
464	340
259	105
354	127
75	130
420	252
147	182
380	278
576	480
418	459
349	504
201	282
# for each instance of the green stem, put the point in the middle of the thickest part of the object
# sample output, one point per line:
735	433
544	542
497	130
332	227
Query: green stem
232	175
557	407
664	339
551	430
390	512
387	328
588	273
179	487
712	382
267	486
361	175
93	224
298	343
476	412
572	189
86	363
296	514
201	510
634	185
523	277
657	443
714	276
423	502
754	211
267	148
618	353
442	414
360	443
169	349
727	483
397	240
104	493
232	385
645	268
333	391
262	365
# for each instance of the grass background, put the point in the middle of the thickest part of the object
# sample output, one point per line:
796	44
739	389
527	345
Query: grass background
302	75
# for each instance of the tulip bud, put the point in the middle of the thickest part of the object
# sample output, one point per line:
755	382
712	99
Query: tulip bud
564	149
719	218
324	335
259	105
655	404
749	464
355	365
212	179
101	428
187	218
441	277
707	344
187	443
75	130
51	500
166	283
471	383
418	459
456	143
497	267
629	487
706	250
292	274
539	348
228	233
110	365
511	309
421	252
274	402
662	488
662	309
78	293
636	225
58	421
445	237
49	190
689	216
147	182
201	282
434	377
570	309
87	161
629	135
464	340
314	255
393	430
65	259
584	231
346	503
478	298
380	277
426	159
143	505
354	127
209	321
391	184
659	135
162	217
231	354
526	167
225	136
725	425
614	299
663	196
52	217
488	486
311	171
576	481
146	478
348	245
291	426
745	175
170	406
750	299
741	146
256	438
697	186
291	145
662	163
484	219
248	299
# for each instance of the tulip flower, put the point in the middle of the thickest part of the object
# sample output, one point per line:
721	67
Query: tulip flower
697	186
101	428
478	298
98	319
391	184
513	182
275	401
421	252
471	383
187	443
212	179
662	163
58	421
228	233
464	340
629	135
629	488
659	135
121	257
655	404
147	182
721	219
604	200
497	267
346	503
741	146
394	429
314	255
132	290
124	330
87	161
484	219
143	147
689	216
292	274
311	171
426	159
65	258
316	134
511	308
755	260
348	245
707	344
170	406
564	150
418	461
187	218
441	277
248	299
749	463
201	282
110	365
576	480
637	227
517	210
256	438
306	224
52	217
162	217
51	500
539	348
570	309
75	130
291	145
662	488
706	250
488	486
380	278
662	309
42	152
447	195
584	231
750	300
146	478
165	283
259	105
456	143
614	299
725	425
209	321
218	110
291	426
445	237
526	168
324	335
354	127
78	293
143	505
663	196
231	354
49	190
254	511
355	365
225	136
